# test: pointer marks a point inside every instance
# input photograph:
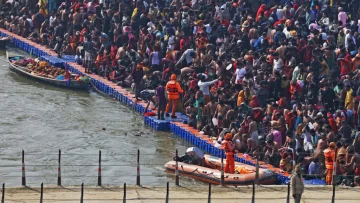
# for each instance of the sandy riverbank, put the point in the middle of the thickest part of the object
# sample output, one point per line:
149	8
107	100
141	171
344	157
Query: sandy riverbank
268	194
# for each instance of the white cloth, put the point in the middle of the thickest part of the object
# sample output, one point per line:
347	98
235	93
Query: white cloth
308	147
255	137
325	21
287	33
279	13
186	56
295	73
51	20
240	73
307	142
30	22
208	28
205	86
347	38
278	64
155	58
171	43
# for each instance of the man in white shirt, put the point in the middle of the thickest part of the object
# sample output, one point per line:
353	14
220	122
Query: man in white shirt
286	31
279	13
349	36
240	72
209	28
171	42
296	71
186	58
278	63
205	88
30	22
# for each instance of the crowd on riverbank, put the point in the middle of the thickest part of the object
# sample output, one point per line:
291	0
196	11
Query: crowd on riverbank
282	77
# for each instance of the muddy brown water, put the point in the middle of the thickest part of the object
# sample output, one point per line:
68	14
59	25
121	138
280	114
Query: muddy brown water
41	119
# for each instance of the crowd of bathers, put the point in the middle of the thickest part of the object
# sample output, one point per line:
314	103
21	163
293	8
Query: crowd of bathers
281	76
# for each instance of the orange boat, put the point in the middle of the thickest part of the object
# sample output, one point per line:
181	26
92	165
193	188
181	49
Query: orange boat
210	172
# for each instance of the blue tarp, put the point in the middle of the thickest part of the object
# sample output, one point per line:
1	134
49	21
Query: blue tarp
58	62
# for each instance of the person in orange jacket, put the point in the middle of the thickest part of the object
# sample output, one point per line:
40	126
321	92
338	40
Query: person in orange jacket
329	154
229	148
173	90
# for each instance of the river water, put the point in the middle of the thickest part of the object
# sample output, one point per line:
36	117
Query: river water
42	119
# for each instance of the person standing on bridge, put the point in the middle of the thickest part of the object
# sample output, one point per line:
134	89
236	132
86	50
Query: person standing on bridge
297	184
329	154
173	90
354	164
59	34
229	148
160	93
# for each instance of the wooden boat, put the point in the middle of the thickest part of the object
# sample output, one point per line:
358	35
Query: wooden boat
72	84
210	172
3	42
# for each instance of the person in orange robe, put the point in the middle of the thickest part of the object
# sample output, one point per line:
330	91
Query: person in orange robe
329	154
173	91
229	148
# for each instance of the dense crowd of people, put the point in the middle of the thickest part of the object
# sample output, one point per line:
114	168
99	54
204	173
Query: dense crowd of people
278	78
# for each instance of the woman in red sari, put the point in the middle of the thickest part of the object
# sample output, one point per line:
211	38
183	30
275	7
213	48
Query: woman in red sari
262	9
345	63
254	102
113	51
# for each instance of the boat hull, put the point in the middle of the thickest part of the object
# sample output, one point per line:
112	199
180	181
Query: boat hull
213	175
73	84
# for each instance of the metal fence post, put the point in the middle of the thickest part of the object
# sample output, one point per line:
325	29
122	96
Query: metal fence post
82	193
41	192
176	169
124	197
257	167
333	175
288	194
23	178
99	170
253	194
3	193
333	195
257	172
167	193
59	169
209	195
333	181
222	169
138	168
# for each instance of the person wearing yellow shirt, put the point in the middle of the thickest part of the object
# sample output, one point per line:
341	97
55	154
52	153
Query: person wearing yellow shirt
349	99
244	96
